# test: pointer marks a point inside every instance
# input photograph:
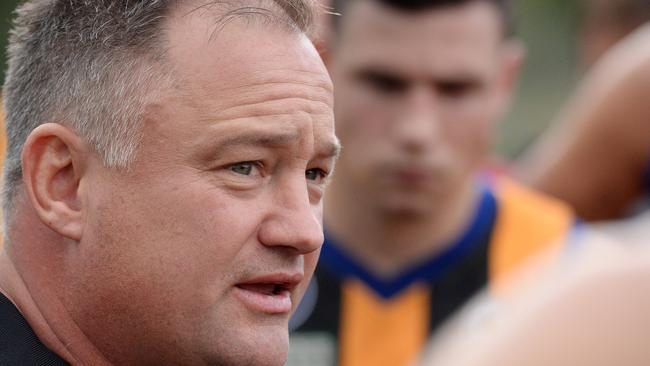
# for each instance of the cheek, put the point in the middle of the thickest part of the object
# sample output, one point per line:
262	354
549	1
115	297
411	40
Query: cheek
471	144
209	230
179	235
365	135
311	260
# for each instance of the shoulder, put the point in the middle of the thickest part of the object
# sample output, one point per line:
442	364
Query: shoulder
520	205
528	223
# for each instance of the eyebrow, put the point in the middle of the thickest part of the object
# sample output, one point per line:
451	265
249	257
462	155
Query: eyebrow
257	139
328	149
331	149
462	77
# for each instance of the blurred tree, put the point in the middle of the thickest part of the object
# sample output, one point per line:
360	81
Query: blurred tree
6	12
548	31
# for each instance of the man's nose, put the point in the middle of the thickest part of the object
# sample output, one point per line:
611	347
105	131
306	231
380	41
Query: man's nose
419	127
293	222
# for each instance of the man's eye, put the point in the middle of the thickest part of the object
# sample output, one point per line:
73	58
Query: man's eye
457	89
384	82
245	168
315	174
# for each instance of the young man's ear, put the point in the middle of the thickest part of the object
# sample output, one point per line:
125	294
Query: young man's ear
54	160
514	55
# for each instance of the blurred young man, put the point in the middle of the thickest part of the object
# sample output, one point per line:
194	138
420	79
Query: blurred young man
412	231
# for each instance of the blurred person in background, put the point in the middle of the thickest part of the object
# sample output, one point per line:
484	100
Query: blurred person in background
412	229
590	310
597	155
606	22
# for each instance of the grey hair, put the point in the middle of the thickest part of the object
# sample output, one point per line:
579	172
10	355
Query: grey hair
93	64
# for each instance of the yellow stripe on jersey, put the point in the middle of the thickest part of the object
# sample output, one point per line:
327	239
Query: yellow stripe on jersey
381	332
527	224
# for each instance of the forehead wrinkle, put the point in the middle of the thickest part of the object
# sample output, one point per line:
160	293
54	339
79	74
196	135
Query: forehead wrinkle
284	107
319	88
279	98
230	133
256	94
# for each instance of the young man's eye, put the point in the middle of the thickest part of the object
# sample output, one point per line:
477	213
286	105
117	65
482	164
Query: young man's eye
457	89
244	168
384	82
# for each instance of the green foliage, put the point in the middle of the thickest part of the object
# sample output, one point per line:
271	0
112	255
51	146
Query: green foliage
6	14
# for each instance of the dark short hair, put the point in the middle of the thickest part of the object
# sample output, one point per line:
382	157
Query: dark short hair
505	8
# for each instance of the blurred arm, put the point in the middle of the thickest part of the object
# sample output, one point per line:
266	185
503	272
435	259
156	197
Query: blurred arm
596	155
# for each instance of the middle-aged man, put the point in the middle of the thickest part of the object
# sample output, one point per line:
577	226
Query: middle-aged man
164	180
411	233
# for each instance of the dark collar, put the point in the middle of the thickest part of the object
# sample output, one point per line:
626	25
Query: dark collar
19	345
477	234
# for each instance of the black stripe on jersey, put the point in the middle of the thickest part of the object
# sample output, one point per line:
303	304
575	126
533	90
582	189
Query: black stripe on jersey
465	279
326	314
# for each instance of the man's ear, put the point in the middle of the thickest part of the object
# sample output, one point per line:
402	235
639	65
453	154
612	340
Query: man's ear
54	159
514	54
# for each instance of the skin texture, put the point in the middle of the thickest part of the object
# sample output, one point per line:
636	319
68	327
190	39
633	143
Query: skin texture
596	155
141	266
417	98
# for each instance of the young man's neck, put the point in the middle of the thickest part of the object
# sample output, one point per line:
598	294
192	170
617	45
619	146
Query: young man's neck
388	243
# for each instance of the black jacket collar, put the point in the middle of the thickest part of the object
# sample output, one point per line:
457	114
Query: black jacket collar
18	342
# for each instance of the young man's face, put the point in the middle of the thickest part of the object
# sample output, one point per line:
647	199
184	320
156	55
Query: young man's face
416	98
201	250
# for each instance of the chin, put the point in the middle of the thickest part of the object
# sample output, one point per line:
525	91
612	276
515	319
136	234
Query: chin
270	350
264	343
268	345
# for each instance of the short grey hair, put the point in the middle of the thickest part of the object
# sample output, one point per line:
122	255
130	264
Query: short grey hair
92	65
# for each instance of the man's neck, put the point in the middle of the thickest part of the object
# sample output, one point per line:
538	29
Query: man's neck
46	315
388	243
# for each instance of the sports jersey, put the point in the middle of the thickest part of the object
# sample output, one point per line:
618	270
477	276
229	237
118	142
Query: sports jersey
351	317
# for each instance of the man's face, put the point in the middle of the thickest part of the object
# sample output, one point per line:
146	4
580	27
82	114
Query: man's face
416	98
201	250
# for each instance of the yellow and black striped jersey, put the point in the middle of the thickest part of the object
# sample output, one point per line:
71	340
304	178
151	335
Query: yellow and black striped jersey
350	317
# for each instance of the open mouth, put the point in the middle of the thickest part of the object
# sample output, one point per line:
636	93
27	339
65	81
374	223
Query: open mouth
266	297
268	289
